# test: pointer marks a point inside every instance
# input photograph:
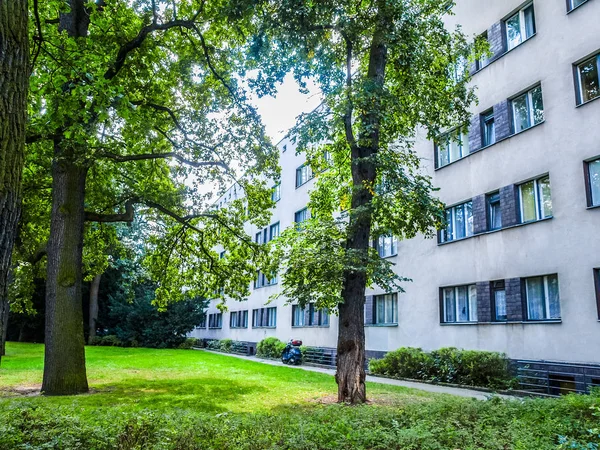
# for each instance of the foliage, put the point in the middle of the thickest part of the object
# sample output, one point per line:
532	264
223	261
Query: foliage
213	344
270	347
187	400
225	345
448	365
190	343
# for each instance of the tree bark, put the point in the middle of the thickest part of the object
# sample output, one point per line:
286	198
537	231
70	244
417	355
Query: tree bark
4	328
94	288
14	79
64	363
350	375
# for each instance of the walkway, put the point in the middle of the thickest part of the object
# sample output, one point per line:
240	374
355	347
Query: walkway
438	389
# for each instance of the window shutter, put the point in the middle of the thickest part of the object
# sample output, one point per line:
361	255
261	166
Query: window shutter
369	306
509	205
479	214
514	300
497	40
502	120
475	134
484	302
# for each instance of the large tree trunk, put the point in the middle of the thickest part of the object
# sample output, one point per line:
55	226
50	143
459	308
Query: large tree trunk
350	375
4	329
94	288
64	364
14	79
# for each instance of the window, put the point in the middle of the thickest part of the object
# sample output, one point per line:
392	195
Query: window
459	304
451	147
222	254
588	79
592	169
273	231
572	4
483	61
303	174
535	200
301	216
215	320
459	222
542	298
260	237
262	280
528	109
489	129
297	316
385	310
387	246
276	192
264	318
520	26
238	319
499	301
268	234
597	286
494	211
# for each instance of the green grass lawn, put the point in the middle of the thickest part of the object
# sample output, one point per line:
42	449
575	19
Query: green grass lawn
186	399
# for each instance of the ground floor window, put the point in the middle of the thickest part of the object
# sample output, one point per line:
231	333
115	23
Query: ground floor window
264	317
385	309
238	319
459	304
542	297
309	316
215	320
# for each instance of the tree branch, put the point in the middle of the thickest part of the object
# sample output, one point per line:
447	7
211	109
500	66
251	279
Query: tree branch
145	156
127	216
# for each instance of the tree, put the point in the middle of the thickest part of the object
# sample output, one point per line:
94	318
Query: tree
14	72
129	100
388	69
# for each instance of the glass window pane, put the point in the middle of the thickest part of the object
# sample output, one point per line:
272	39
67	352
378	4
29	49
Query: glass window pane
513	31
588	71
536	306
594	169
455	147
521	113
449	231
494	212
576	3
460	220
443	154
489	130
537	103
500	303
449	305
528	202
553	297
462	299
544	197
380	311
469	218
473	303
529	22
389	309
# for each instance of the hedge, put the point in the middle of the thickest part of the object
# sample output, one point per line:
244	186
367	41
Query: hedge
270	347
447	365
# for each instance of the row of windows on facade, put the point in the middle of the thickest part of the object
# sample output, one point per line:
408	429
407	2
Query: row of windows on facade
261	318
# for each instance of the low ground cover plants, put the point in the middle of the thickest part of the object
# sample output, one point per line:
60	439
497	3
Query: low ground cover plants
447	365
175	399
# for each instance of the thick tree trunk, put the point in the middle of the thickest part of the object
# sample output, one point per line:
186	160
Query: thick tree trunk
350	375
64	363
4	329
14	79
94	288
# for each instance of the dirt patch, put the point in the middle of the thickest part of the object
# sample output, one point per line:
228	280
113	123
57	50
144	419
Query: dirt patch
25	391
380	400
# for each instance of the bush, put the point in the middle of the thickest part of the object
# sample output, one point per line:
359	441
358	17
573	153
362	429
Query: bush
447	365
213	344
270	347
225	345
111	341
189	343
96	340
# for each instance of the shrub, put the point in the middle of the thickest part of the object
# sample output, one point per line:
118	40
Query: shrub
225	345
96	340
189	343
270	347
111	341
447	365
213	344
406	362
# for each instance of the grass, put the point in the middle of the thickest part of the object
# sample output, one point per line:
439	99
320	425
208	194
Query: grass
185	399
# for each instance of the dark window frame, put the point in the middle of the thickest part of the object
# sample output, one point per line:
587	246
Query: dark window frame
571	8
496	286
588	182
310	174
597	289
577	78
488	209
486	117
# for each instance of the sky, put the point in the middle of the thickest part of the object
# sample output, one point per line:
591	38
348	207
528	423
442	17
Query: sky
279	113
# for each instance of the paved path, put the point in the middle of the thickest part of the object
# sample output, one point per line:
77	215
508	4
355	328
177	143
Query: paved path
460	392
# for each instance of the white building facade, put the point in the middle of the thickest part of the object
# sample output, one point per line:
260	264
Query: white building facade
517	270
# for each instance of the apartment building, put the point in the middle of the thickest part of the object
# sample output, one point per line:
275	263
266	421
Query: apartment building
518	268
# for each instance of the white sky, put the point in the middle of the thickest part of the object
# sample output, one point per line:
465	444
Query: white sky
279	113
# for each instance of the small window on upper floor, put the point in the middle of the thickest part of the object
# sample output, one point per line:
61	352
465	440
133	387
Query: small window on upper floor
276	192
494	211
303	174
535	200
451	147
528	109
489	129
520	26
387	246
588	79
592	172
459	222
301	216
572	4
499	301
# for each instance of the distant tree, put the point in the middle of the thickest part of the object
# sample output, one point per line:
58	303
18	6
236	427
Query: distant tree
389	71
129	100
14	74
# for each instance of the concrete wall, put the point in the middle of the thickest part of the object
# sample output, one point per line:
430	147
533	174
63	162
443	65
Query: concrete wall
567	244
